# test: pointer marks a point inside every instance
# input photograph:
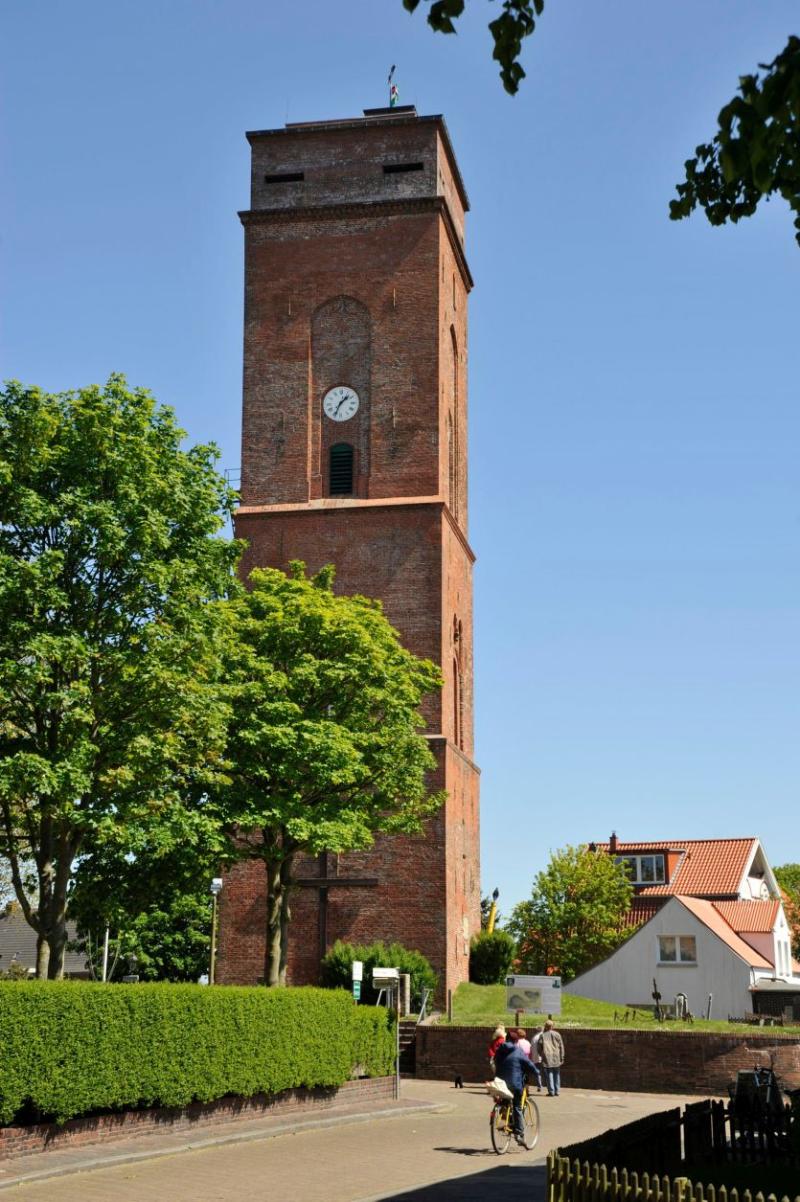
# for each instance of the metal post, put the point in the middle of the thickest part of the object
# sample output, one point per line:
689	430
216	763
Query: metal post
213	939
216	889
104	977
397	1038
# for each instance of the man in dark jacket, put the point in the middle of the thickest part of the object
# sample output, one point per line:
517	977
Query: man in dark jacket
513	1066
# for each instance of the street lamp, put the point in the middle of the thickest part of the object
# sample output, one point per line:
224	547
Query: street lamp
216	889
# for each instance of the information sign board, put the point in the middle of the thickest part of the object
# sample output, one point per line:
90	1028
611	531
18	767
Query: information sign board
534	995
357	990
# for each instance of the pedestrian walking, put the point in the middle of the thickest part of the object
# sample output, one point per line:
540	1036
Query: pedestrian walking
498	1039
551	1049
530	1051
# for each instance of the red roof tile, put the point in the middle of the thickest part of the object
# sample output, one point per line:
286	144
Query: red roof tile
706	867
750	916
708	914
642	910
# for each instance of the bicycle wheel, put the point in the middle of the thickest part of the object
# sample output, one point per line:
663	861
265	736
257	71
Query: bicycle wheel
500	1127
530	1117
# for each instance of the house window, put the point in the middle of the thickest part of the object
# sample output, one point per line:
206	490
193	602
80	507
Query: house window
341	477
644	870
677	949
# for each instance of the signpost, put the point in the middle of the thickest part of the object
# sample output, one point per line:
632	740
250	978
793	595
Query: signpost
534	995
358	975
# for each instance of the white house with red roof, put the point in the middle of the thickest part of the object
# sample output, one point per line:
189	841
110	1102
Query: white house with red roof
708	923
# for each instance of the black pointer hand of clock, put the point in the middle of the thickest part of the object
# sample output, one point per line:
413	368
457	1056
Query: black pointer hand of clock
341	402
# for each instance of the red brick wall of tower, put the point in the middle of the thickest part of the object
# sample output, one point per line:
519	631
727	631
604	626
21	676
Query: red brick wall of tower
356	276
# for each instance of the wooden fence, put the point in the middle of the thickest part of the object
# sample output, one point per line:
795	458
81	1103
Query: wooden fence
648	1160
706	1131
571	1181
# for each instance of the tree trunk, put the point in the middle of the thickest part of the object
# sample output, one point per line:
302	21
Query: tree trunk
42	957
272	973
286	914
57	938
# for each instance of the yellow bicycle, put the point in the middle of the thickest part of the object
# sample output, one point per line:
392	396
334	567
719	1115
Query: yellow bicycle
501	1121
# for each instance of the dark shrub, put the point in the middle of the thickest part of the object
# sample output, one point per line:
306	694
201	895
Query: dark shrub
337	968
490	957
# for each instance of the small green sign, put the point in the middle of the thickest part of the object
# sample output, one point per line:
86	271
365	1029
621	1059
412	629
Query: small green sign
357	990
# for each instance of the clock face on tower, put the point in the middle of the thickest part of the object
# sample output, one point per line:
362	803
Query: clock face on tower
340	403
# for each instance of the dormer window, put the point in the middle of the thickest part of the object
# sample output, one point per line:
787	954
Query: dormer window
644	870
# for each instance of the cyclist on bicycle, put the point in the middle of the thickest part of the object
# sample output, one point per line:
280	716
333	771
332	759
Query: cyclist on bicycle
512	1066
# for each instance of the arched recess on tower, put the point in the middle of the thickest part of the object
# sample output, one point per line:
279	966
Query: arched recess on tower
341	353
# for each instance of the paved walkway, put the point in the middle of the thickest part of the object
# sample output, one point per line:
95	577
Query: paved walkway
437	1154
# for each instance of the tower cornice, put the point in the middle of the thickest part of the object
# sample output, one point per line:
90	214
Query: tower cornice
367	208
337	504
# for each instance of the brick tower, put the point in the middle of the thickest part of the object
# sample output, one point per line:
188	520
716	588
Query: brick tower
354	452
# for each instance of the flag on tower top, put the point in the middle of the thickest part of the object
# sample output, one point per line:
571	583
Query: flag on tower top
394	95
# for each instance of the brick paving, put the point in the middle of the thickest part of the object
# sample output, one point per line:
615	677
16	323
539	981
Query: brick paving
439	1154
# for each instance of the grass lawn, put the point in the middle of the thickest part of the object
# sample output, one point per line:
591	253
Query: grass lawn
485	1006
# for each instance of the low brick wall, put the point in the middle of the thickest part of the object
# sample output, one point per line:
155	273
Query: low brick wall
21	1141
638	1061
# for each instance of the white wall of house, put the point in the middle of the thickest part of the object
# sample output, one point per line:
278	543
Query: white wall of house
774	945
627	976
762	941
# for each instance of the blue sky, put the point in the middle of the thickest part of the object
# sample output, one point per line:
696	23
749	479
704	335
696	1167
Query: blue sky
633	382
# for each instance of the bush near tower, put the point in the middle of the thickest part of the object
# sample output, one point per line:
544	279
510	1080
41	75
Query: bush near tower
337	968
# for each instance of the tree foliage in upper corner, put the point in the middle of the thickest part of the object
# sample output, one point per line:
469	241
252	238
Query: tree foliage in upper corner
110	719
788	877
516	22
755	152
327	745
575	915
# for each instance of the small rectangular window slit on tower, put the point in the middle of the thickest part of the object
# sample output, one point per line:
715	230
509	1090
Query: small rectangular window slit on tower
285	177
399	168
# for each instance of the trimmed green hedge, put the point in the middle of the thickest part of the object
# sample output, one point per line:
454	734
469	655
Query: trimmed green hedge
70	1047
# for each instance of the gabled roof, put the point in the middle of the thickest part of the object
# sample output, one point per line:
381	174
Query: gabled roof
705	868
754	917
18	944
708	914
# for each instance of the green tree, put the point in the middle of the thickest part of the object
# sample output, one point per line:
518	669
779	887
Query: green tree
788	877
575	913
155	903
171	940
326	748
110	722
755	153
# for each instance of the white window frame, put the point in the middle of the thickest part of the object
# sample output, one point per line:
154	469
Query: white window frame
680	958
636	876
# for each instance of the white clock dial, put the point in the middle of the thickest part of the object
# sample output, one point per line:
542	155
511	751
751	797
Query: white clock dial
340	403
